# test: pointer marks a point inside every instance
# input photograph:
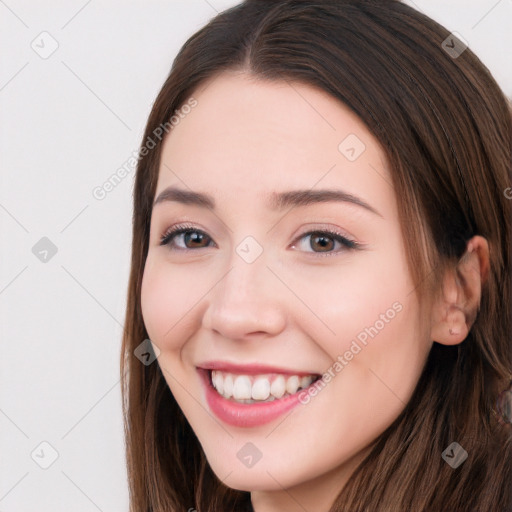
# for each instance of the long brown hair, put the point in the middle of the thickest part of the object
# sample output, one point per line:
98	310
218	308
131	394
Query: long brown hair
446	130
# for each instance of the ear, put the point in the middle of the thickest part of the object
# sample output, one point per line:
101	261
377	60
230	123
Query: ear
454	312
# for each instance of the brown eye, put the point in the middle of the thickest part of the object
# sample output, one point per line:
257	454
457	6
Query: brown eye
194	239
325	242
322	242
185	238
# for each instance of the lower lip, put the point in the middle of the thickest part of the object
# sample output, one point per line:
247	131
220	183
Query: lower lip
245	415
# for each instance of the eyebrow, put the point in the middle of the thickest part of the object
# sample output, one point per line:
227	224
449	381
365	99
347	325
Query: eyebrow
277	200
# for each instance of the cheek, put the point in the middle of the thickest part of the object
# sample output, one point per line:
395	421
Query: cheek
366	297
375	315
167	295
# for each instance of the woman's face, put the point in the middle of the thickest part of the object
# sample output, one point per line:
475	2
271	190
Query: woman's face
259	290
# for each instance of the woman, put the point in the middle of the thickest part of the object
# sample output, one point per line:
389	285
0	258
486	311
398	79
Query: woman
321	260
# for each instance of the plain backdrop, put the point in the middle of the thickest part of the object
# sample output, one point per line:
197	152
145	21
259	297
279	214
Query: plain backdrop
77	81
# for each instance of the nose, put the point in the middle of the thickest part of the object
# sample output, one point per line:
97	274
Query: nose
246	302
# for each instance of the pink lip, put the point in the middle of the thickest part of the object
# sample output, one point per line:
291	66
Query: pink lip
246	415
250	369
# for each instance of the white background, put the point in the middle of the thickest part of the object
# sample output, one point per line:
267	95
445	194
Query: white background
68	122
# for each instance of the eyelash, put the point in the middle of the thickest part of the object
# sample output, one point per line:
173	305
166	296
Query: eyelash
349	245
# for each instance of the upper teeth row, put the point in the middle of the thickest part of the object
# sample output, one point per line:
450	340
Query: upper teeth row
257	387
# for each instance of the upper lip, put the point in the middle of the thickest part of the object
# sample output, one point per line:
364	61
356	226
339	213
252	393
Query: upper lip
251	369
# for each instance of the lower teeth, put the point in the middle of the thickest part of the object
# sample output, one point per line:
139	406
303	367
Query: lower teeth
251	401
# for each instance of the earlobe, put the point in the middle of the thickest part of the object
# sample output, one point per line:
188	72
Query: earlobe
450	326
455	311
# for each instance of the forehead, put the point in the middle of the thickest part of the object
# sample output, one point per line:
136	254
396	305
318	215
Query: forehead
247	137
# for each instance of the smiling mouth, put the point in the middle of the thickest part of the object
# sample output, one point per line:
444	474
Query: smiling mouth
250	389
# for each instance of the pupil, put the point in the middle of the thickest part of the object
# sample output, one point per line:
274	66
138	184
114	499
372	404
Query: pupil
193	236
326	242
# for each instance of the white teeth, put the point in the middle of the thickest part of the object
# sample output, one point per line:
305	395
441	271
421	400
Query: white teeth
278	387
218	382
242	388
228	385
262	388
292	384
306	381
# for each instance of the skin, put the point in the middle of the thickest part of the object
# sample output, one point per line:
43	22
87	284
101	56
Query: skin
294	306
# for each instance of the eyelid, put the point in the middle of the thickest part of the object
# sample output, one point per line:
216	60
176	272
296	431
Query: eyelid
326	228
179	228
348	242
